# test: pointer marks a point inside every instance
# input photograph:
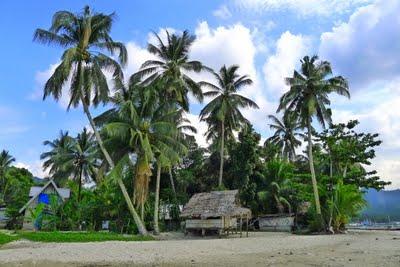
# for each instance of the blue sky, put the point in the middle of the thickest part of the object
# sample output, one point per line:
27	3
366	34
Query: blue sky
361	38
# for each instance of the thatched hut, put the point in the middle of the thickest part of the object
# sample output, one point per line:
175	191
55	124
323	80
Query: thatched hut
218	210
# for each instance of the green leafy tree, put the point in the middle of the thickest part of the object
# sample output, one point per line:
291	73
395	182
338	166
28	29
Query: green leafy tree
286	135
347	202
277	176
308	98
223	112
347	151
86	36
5	162
19	182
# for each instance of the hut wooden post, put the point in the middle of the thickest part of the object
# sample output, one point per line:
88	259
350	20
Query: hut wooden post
247	225
241	225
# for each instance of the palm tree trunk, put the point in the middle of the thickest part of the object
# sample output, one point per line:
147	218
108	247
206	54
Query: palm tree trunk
171	179
345	171
80	184
331	179
157	199
279	204
141	228
221	154
311	161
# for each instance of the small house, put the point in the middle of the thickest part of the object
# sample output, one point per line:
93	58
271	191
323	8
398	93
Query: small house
3	217
38	195
276	222
217	211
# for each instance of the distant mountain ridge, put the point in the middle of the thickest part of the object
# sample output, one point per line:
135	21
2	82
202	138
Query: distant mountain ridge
39	181
382	205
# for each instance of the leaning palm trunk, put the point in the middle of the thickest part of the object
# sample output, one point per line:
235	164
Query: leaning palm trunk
157	199
311	161
141	228
171	179
221	154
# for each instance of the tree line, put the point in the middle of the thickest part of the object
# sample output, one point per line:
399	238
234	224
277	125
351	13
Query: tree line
144	144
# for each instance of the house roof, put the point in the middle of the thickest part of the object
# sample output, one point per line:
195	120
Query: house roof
35	191
214	204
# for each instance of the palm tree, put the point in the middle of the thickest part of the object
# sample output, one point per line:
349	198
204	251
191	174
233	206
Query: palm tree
308	98
81	159
223	112
5	162
285	136
171	68
169	156
54	158
277	177
85	36
149	129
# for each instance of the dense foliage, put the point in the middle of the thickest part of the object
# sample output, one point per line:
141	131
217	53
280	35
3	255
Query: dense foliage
140	154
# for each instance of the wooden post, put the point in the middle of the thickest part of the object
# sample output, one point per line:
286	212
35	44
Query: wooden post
247	225
241	225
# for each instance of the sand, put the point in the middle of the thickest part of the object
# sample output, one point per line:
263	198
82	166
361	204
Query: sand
357	248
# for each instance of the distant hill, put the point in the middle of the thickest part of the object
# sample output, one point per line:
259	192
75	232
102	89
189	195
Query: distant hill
39	181
382	205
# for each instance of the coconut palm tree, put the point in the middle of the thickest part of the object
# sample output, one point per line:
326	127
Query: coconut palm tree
285	135
171	68
5	162
81	159
148	128
308	99
223	112
86	36
276	179
54	158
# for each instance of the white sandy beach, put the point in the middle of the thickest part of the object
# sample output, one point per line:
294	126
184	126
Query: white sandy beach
357	248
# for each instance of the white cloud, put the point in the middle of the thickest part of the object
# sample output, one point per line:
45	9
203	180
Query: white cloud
290	49
302	7
41	78
233	45
34	167
222	12
388	169
201	127
377	113
366	48
225	45
136	57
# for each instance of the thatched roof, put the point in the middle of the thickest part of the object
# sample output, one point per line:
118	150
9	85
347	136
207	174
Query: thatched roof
214	204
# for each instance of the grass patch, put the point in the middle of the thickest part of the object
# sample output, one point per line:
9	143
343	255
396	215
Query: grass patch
6	238
63	237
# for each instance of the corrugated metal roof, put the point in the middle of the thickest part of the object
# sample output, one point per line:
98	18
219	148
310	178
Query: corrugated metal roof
63	192
34	190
